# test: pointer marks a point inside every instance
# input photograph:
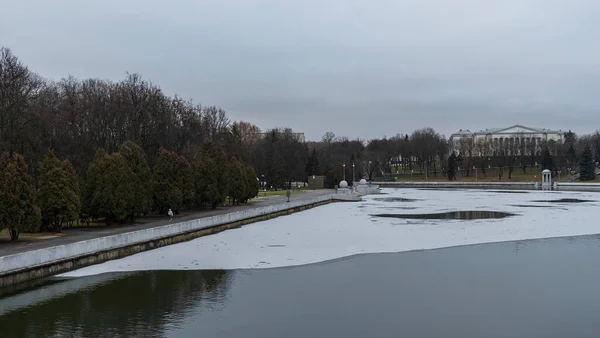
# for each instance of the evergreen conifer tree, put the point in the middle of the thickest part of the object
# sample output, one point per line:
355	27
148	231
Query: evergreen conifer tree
110	187
253	185
547	160
18	209
58	192
587	167
173	181
92	183
143	181
238	183
212	180
451	173
74	198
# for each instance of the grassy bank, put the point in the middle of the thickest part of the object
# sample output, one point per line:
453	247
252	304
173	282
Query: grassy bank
271	193
491	175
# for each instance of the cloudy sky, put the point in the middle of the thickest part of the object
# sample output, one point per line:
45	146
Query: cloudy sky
357	68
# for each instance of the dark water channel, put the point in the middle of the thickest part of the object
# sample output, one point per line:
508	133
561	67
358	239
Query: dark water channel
540	288
456	215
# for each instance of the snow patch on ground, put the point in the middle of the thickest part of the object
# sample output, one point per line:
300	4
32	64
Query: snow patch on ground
343	229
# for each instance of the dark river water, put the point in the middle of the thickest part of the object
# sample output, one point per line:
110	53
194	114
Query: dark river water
540	288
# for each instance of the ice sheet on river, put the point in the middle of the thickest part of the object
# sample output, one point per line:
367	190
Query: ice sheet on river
343	229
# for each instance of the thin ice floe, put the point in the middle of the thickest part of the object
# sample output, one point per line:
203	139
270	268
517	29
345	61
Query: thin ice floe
339	230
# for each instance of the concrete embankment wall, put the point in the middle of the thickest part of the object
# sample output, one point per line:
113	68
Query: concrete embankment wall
560	186
50	261
577	186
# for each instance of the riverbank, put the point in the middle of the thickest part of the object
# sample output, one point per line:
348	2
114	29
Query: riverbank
36	259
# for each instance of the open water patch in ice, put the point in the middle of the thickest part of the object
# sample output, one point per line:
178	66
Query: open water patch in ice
398	208
535	206
340	230
394	199
509	191
456	215
565	200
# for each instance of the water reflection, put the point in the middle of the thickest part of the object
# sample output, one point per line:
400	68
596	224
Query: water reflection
457	215
121	305
532	288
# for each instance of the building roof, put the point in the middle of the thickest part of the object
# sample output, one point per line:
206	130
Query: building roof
464	132
499	130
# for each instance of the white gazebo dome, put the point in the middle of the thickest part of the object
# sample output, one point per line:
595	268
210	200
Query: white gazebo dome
343	184
546	171
363	182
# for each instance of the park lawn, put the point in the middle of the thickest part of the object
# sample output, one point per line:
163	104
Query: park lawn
271	193
491	176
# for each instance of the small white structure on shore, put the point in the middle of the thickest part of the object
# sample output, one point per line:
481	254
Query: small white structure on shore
366	189
343	189
345	193
546	179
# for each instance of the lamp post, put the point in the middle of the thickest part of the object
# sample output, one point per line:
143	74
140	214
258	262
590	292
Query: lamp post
353	177
558	175
344	165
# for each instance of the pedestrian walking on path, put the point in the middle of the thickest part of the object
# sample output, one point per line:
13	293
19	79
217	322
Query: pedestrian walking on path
170	213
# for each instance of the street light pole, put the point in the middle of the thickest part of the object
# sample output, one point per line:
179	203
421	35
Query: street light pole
344	165
353	177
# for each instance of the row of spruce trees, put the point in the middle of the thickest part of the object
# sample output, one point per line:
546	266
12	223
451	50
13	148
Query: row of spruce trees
118	187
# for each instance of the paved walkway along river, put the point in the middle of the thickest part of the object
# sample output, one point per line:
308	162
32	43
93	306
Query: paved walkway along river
72	235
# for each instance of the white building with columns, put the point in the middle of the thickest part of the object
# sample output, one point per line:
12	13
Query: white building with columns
514	138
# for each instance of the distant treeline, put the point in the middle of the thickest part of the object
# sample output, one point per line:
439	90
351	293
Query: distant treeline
72	149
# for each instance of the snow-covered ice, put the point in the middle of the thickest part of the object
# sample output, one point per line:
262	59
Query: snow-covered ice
343	229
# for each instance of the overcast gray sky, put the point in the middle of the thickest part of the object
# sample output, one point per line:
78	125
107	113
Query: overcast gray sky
357	68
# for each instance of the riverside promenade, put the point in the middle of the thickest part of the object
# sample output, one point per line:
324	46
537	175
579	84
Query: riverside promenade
79	234
77	248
